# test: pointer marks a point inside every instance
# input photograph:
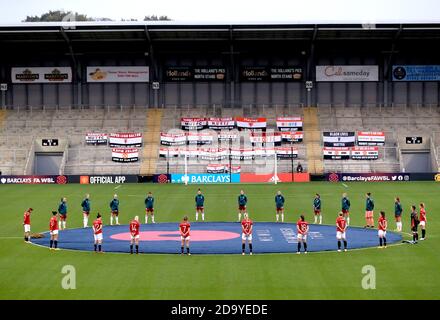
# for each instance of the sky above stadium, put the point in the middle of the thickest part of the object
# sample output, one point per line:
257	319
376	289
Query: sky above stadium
289	11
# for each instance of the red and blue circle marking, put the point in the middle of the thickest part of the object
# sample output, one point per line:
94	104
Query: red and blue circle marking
217	238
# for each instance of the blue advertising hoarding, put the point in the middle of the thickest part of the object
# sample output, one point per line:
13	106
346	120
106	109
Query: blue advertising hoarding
416	73
206	178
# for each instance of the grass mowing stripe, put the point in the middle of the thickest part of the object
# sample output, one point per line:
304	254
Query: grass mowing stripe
31	273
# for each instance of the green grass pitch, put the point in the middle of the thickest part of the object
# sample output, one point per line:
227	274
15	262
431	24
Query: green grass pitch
402	271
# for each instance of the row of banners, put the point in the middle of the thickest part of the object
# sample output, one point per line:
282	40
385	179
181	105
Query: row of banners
241	123
324	73
94	74
208	138
354	153
349	139
216	154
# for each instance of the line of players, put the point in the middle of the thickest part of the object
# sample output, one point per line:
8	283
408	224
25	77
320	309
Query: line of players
342	221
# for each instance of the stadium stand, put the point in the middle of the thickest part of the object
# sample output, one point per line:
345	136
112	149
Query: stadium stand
20	128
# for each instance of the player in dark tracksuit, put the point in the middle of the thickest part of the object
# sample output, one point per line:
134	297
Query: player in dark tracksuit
242	202
200	202
369	213
85	204
149	207
279	203
114	207
346	208
62	211
398	214
317	208
414	224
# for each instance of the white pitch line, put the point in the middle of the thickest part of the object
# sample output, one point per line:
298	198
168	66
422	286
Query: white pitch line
118	186
345	185
5	238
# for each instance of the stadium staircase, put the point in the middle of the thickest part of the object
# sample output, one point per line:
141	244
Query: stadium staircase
150	150
2	118
312	139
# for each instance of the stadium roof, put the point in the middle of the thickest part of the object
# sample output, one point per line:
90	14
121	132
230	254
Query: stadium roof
198	31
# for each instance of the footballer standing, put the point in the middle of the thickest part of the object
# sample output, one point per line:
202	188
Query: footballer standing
279	204
382	230
398	214
414	224
27	225
346	207
53	231
341	227
302	228
134	233
317	208
246	228
184	229
114	207
423	221
242	202
85	204
149	207
200	202
369	213
62	210
97	233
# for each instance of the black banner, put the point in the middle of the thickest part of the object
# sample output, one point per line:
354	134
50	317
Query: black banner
178	74
206	74
209	74
339	139
274	74
286	74
193	123
254	74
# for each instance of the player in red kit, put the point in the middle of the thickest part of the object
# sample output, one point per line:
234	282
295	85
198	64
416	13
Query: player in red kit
97	233
53	230
246	228
184	229
302	227
27	225
341	227
422	220
134	232
382	230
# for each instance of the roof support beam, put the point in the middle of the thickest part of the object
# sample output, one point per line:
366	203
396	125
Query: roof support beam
389	63
150	48
72	54
311	55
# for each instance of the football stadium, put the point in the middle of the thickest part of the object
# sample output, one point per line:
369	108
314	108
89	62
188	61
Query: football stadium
169	161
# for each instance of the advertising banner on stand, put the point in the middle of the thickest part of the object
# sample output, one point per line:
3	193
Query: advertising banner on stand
118	74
